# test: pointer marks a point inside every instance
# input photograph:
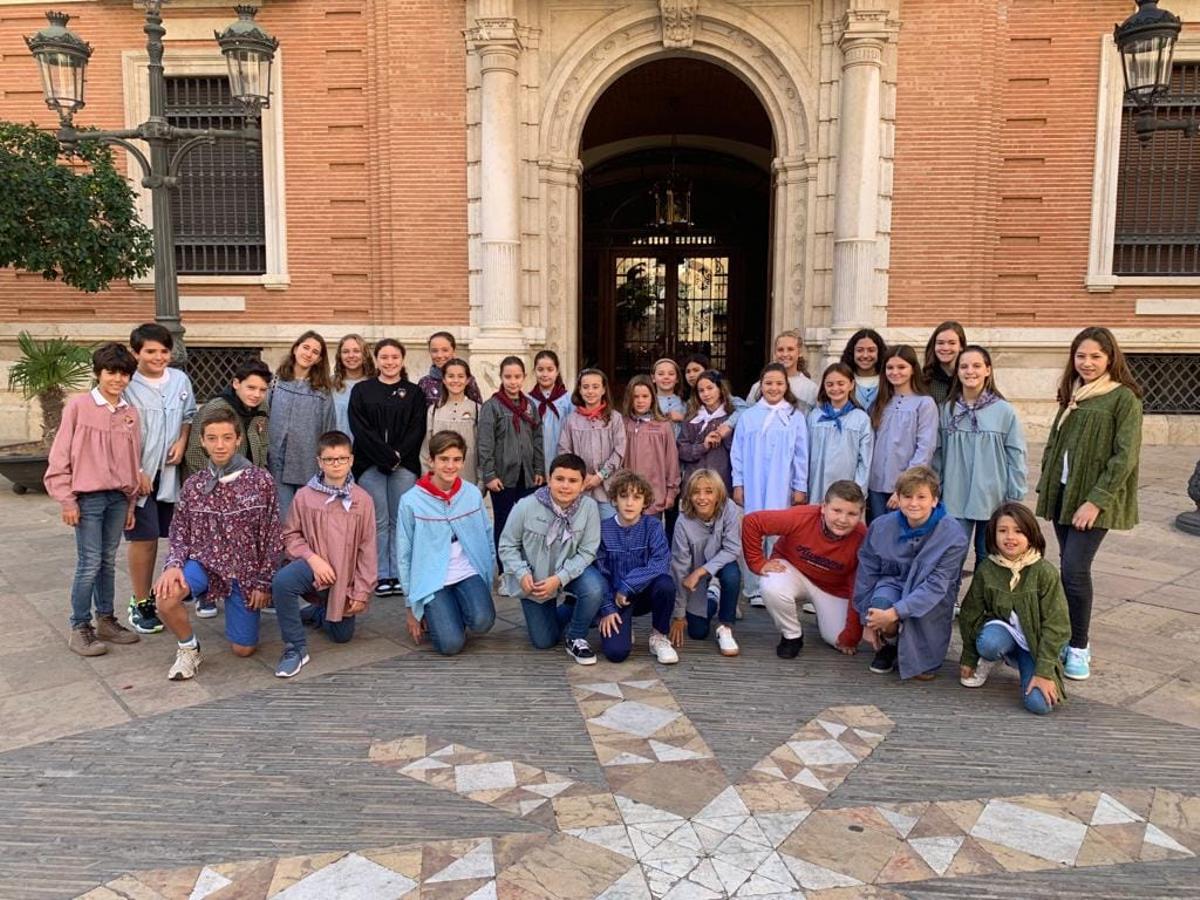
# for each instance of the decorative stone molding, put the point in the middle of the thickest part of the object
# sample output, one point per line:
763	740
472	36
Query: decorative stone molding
678	22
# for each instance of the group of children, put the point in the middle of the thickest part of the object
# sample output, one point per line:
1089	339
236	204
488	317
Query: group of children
328	486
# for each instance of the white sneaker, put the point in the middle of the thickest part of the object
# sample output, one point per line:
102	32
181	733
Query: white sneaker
982	670
757	601
725	641
187	663
808	608
660	646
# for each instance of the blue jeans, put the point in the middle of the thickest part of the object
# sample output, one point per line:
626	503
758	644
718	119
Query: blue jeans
339	632
241	622
502	506
656	598
995	642
877	504
101	521
979	527
457	609
290	584
730	578
386	491
549	621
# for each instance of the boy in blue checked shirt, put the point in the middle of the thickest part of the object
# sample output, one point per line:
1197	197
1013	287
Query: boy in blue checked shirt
166	405
635	560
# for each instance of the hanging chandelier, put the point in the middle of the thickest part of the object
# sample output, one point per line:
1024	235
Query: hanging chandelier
673	201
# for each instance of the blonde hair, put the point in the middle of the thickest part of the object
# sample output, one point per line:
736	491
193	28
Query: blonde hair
801	361
687	508
339	368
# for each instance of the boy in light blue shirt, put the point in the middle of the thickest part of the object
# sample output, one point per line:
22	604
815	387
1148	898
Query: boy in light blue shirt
166	405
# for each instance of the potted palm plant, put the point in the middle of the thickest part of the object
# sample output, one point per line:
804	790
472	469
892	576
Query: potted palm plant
47	371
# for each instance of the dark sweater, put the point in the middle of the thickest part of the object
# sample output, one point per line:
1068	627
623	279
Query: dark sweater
388	421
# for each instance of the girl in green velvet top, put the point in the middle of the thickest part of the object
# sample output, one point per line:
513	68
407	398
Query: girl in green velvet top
1015	610
1090	471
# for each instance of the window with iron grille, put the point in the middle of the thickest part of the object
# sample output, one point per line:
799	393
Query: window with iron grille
211	368
1170	382
217	209
1158	188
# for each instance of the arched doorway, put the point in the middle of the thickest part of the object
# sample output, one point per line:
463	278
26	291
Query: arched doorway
676	215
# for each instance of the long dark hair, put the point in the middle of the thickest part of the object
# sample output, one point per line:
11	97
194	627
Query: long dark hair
392	342
956	388
886	391
722	385
1118	368
931	359
607	400
553	357
782	370
875	338
444	394
318	375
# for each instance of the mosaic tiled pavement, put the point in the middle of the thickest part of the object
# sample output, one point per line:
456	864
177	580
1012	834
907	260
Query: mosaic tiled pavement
673	826
332	785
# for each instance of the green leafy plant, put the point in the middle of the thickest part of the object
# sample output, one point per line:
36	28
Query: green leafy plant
80	226
49	370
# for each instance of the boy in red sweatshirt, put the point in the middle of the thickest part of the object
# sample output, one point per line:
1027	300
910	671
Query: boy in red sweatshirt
815	559
93	474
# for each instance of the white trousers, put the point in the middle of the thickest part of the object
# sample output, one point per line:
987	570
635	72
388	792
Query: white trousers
784	591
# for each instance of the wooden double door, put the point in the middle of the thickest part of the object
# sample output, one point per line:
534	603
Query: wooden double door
667	296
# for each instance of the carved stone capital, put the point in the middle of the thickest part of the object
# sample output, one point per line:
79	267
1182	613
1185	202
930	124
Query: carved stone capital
494	34
678	22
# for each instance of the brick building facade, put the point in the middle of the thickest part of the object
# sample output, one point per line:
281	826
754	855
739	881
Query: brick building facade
437	164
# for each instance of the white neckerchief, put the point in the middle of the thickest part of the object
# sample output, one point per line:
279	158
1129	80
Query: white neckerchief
781	411
704	417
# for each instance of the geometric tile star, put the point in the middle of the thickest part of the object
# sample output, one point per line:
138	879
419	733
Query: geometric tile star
671	825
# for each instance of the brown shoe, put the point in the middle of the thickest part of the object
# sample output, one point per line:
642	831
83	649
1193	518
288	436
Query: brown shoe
83	641
108	629
925	676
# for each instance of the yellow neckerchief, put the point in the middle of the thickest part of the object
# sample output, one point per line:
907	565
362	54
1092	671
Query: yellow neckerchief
1016	566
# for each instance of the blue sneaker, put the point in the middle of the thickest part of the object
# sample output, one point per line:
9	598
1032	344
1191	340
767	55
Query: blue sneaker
1079	663
308	615
293	660
206	607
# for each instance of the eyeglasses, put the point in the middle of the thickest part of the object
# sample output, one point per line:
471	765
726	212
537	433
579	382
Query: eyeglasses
335	460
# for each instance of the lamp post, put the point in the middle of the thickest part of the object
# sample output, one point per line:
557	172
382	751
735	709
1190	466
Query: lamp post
62	58
1146	41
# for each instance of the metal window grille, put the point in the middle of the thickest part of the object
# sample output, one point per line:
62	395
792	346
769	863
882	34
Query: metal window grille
217	209
1158	189
212	368
1169	381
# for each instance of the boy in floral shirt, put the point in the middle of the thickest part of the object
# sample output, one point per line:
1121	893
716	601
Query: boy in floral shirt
225	543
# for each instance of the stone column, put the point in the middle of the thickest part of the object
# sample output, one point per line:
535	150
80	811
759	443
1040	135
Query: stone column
856	283
496	39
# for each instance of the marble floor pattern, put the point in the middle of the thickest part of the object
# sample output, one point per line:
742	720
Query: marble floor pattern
672	826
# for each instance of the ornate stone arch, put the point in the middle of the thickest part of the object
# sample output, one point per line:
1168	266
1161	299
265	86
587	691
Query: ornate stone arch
720	33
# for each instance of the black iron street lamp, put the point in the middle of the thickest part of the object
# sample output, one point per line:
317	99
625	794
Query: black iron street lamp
62	59
1146	41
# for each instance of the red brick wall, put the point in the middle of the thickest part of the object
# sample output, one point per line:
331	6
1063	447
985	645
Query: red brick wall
374	141
995	147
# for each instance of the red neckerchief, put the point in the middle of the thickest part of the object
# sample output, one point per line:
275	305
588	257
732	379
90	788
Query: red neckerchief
519	410
592	413
425	483
545	402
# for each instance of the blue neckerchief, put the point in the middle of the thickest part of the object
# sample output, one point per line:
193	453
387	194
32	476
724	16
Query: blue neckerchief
317	483
911	534
829	414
